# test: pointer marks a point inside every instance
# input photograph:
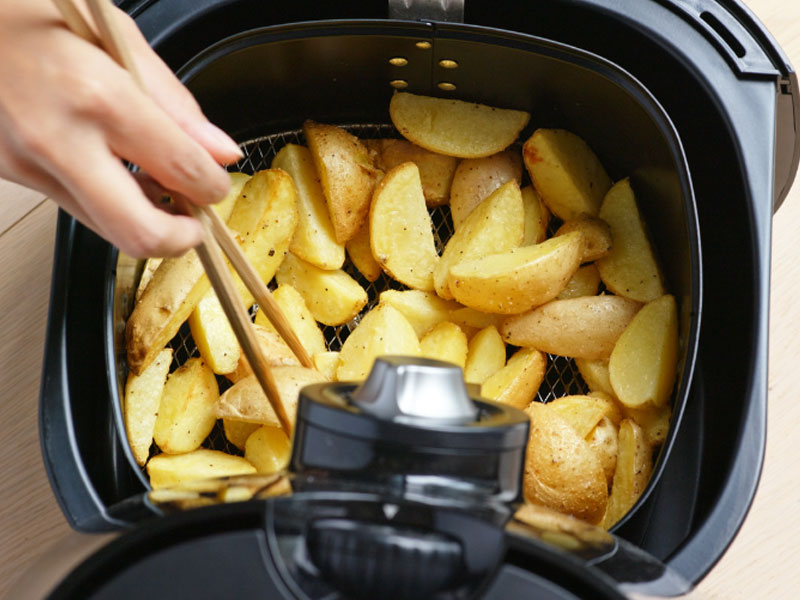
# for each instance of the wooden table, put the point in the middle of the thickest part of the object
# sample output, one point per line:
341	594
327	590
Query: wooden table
761	563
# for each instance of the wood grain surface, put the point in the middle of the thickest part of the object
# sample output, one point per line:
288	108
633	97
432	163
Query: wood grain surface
761	563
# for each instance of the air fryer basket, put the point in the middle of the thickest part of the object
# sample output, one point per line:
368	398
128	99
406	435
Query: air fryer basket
711	66
349	82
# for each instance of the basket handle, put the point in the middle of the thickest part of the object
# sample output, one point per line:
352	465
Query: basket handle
449	11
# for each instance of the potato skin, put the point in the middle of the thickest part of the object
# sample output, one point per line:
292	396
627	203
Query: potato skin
584	327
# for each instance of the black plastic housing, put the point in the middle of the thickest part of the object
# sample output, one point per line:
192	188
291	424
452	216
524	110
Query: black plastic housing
733	99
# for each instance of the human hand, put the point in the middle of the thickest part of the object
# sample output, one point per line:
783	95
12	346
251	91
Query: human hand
69	113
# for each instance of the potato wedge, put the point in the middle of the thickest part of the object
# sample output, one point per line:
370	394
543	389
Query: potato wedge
486	355
643	364
585	327
585	282
401	232
562	471
454	127
518	381
346	173
633	469
268	449
383	330
179	284
213	335
654	421
583	413
604	441
275	350
445	342
519	279
566	172
360	253
333	297
596	236
631	268
435	170
537	217
595	374
186	412
314	239
495	225
224	207
302	322
611	406
167	470
476	178
237	432
424	310
140	406
245	400
326	363
469	318
150	266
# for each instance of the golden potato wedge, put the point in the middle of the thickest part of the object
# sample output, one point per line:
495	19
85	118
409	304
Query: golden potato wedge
333	297
495	225
383	330
595	374
275	350
435	170
537	217
486	355
400	229
585	327
466	317
314	240
245	400
326	363
566	172
224	207
612	407
445	342
604	441
654	421
518	381
213	335
644	361
585	282
631	268
186	412
150	266
179	284
294	308
424	310
454	127
633	469
476	178
562	471
140	406
268	449
166	470
237	432
583	413
596	236
346	173
519	279
360	253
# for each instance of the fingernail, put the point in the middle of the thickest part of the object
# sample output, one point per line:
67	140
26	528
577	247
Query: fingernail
223	140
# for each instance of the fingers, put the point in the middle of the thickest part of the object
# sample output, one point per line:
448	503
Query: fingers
120	211
171	95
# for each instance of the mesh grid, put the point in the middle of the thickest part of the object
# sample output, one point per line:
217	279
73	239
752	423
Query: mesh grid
561	377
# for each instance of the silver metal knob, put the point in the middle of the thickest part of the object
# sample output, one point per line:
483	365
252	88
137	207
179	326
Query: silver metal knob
403	387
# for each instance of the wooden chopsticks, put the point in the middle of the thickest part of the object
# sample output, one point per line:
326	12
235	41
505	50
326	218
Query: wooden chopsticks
215	230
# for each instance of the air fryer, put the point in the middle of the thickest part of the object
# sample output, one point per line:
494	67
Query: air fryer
693	100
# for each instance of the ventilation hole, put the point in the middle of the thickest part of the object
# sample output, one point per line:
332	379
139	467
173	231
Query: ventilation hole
398	61
447	86
398	84
423	45
724	33
448	63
